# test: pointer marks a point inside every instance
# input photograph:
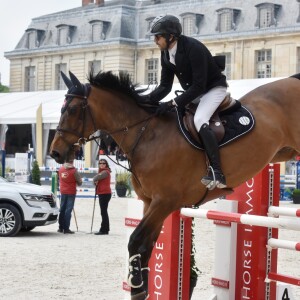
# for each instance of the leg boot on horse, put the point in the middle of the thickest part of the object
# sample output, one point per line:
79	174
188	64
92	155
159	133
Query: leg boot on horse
215	176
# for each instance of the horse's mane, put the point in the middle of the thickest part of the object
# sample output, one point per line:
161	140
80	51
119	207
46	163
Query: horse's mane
120	83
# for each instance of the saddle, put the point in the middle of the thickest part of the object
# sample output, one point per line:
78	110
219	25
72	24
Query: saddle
230	121
215	123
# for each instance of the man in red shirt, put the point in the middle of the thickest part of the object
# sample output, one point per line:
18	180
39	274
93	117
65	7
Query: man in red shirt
69	178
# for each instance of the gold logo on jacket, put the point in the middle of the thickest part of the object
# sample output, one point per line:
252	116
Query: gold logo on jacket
64	175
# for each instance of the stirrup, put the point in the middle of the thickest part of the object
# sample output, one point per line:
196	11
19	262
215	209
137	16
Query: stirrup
214	179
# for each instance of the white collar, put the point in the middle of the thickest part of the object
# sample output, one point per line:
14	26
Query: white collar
172	53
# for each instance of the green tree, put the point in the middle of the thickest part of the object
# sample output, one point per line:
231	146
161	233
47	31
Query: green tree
3	89
36	173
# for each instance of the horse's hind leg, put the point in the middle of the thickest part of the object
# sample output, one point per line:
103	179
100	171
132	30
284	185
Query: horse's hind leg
140	247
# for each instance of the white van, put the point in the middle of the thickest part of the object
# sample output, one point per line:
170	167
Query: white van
23	206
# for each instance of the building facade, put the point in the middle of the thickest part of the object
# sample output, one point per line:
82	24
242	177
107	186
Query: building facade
259	39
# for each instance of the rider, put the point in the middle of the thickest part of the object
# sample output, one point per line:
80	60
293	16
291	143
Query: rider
199	76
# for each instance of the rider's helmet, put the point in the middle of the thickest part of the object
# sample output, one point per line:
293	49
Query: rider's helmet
165	25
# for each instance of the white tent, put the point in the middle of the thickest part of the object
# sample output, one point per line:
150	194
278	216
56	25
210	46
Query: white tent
21	108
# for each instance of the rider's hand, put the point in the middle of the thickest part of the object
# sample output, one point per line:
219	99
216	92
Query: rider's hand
165	107
145	99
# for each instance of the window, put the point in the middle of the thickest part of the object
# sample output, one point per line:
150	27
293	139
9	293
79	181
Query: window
97	32
267	15
29	79
149	22
62	36
151	71
227	71
95	65
227	19
34	38
263	64
191	23
65	34
59	83
31	40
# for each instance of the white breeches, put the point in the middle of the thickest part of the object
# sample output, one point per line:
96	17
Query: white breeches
208	104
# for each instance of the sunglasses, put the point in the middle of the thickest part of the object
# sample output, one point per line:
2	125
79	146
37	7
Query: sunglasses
102	163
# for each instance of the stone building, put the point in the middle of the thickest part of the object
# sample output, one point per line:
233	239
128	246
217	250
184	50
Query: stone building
259	39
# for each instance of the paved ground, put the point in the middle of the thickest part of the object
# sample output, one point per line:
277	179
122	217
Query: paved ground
44	264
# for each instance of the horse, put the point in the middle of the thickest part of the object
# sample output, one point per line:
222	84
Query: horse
166	170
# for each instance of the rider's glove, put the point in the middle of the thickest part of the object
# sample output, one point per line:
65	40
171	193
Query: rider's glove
145	99
165	107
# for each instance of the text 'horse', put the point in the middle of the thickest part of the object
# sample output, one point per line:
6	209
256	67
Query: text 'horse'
167	170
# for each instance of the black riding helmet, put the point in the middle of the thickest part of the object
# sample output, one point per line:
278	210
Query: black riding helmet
165	25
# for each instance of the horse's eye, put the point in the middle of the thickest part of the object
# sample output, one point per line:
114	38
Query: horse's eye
72	110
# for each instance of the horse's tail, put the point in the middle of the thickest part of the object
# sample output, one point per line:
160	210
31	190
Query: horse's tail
296	76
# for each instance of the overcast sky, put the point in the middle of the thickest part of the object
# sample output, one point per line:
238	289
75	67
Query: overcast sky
15	16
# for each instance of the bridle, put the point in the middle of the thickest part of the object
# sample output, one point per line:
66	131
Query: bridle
85	109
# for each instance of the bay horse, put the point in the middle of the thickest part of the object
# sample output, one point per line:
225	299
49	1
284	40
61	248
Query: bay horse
166	169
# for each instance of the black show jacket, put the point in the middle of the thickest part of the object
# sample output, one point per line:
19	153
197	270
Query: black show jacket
195	69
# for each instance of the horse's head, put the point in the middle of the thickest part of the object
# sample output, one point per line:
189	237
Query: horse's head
72	128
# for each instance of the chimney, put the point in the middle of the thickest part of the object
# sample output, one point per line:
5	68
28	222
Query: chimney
97	2
86	2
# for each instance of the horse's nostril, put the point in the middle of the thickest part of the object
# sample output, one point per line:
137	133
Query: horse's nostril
54	154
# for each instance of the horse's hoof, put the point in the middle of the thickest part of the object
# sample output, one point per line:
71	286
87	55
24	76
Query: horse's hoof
135	279
140	296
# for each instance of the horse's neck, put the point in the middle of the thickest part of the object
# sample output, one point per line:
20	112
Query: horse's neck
121	118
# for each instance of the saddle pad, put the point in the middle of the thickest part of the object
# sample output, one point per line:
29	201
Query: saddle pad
236	124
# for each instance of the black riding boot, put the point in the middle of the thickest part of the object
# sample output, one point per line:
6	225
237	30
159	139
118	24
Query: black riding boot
215	176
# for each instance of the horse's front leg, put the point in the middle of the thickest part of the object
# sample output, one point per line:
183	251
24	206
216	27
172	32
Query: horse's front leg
140	247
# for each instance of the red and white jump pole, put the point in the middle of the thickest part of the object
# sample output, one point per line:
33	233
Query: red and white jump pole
246	244
256	263
242	218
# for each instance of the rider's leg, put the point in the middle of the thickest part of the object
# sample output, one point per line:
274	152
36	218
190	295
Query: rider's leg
215	177
207	106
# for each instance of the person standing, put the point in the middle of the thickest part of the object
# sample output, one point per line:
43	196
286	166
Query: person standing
103	190
69	178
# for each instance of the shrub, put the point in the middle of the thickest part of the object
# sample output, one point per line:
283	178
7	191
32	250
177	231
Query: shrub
36	173
122	179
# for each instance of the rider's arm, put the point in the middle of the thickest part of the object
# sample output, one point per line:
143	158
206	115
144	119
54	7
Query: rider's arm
199	61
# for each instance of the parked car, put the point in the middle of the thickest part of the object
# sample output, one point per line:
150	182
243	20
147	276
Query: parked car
23	206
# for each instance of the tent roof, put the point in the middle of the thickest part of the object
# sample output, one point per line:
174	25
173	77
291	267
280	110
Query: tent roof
21	108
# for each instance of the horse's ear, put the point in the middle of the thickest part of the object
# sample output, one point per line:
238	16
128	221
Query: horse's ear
74	79
66	80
